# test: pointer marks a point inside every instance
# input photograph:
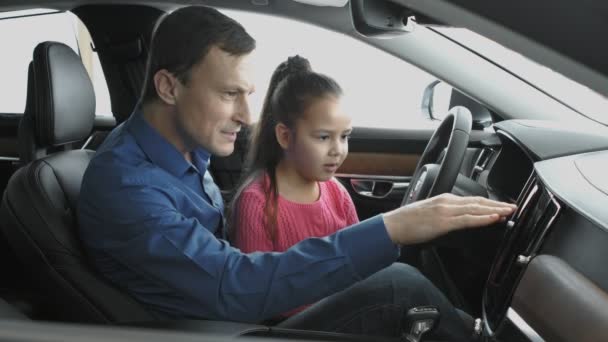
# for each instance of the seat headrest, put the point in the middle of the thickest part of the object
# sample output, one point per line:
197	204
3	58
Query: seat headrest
64	99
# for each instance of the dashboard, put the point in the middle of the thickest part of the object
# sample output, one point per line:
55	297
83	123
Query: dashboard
549	270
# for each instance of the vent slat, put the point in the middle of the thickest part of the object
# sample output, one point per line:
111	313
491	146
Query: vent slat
482	162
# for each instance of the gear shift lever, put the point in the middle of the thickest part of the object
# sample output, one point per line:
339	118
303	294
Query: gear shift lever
418	321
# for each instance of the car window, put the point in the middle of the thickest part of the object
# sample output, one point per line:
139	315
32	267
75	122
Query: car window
21	31
383	92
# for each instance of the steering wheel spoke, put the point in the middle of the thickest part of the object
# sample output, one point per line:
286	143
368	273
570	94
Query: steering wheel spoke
432	179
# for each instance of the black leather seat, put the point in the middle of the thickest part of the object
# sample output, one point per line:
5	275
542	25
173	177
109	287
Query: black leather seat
7	311
38	211
49	125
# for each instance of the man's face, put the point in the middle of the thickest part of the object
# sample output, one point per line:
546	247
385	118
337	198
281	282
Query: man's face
320	140
213	105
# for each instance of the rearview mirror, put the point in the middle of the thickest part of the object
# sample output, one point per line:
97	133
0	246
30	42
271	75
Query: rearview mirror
383	18
379	18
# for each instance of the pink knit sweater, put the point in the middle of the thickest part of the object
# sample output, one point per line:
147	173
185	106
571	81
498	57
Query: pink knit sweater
295	221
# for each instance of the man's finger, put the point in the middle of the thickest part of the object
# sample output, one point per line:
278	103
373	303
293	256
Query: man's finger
491	203
470	221
479	209
476	199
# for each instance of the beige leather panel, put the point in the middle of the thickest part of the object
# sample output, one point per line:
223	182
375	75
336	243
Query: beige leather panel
380	164
560	303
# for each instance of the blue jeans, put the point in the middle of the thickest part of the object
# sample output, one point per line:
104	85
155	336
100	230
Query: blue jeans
377	306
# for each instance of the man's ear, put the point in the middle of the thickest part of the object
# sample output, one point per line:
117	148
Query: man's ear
166	86
283	135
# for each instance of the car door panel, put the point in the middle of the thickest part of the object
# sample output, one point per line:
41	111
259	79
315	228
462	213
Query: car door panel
380	164
379	167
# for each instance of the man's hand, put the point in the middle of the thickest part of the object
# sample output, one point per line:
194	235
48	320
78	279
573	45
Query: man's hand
427	219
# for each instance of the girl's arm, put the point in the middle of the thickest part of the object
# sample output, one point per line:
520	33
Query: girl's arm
347	204
350	210
251	235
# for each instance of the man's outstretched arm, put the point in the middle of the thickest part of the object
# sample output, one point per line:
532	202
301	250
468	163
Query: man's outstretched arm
138	226
145	233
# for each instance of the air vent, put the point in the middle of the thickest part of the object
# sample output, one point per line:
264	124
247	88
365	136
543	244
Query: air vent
507	253
482	162
537	210
547	216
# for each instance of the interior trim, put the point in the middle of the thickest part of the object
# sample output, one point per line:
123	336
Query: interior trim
9	158
86	143
560	302
402	179
388	164
527	330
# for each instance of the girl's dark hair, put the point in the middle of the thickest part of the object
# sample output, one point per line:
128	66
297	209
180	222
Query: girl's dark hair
293	88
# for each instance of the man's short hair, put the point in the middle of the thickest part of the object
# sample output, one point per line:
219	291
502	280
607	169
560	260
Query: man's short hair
183	38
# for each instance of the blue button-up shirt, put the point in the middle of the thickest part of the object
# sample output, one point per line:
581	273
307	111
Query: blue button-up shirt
153	224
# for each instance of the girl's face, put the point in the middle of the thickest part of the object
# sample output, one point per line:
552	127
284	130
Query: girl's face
318	144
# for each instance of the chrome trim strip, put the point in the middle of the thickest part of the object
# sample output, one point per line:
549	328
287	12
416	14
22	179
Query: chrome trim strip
401	185
527	330
86	143
374	177
367	187
9	158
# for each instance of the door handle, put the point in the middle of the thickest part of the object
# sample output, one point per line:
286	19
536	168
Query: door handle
376	188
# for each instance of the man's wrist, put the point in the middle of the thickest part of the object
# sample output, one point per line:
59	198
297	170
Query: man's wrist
392	226
369	235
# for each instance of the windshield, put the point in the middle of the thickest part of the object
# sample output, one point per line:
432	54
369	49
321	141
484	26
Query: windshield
575	95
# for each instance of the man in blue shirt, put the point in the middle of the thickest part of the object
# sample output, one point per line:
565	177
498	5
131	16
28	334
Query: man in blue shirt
152	220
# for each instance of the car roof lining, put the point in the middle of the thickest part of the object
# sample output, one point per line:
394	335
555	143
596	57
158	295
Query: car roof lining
332	18
568	57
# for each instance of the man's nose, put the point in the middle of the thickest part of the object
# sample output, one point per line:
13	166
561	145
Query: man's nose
243	114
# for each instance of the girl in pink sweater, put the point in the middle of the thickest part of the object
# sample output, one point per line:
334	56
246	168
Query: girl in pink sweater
299	143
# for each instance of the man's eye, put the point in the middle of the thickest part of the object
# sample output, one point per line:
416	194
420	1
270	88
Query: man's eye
231	93
345	137
323	137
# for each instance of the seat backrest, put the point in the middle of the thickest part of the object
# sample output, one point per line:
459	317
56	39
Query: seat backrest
60	103
38	210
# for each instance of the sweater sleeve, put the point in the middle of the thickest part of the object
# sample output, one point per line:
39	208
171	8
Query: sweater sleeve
350	210
348	207
251	235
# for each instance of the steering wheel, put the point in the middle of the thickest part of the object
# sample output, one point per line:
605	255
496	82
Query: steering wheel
431	179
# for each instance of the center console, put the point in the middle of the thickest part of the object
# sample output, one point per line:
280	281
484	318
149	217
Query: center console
525	232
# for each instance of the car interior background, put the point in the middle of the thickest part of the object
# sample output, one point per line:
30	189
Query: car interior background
64	89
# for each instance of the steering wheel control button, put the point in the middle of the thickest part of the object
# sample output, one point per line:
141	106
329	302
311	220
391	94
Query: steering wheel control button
510	224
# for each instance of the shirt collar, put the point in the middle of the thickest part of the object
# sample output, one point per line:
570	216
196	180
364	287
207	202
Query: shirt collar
161	152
